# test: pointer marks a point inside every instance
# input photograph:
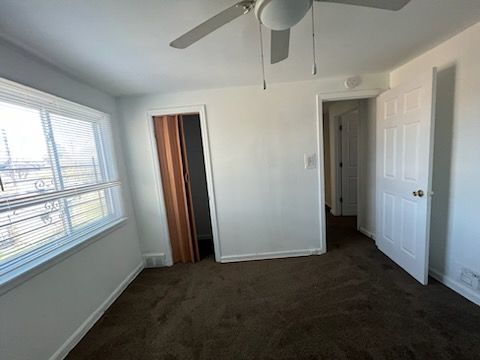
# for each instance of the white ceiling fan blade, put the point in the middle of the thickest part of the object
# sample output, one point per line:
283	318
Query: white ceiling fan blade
280	43
393	5
212	24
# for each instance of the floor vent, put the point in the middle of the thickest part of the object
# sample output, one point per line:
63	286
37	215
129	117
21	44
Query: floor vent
154	260
470	278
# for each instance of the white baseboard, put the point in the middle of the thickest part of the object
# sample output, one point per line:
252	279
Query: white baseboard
75	338
366	232
271	255
456	286
333	212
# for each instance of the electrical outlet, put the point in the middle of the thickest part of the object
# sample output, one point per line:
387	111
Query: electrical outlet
470	279
310	161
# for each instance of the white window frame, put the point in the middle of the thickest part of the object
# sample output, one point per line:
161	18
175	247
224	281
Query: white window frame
19	269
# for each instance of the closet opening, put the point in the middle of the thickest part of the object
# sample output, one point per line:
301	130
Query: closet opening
184	181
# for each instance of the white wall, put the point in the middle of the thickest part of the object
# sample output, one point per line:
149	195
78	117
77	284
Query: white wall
267	203
455	235
38	316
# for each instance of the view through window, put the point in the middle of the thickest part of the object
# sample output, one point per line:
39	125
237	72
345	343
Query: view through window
57	179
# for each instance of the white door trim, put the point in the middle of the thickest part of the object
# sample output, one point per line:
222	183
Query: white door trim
175	110
320	98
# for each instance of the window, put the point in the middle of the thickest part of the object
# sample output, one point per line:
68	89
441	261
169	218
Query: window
58	182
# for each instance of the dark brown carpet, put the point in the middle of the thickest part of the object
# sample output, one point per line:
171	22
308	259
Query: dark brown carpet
352	303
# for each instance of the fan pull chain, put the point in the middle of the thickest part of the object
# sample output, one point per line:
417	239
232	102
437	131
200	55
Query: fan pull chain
314	66
262	59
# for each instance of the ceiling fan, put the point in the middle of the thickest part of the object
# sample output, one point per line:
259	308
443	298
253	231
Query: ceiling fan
277	15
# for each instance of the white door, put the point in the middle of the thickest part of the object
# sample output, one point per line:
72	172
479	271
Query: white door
349	169
405	119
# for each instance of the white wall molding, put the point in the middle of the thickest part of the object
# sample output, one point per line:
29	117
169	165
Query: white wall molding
455	286
75	338
366	232
322	221
333	212
271	255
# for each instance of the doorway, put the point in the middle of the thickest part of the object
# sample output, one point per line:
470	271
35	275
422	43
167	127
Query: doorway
347	138
181	156
404	120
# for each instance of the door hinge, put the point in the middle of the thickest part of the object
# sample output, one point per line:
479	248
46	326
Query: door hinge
341	164
341	200
341	127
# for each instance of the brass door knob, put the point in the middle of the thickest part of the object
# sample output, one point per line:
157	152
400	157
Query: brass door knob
418	193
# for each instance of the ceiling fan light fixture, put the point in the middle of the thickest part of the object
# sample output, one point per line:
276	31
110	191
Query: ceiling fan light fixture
281	14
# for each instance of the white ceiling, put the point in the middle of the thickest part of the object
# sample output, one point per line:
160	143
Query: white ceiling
121	46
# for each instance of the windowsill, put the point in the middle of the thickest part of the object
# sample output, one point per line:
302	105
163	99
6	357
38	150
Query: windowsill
25	272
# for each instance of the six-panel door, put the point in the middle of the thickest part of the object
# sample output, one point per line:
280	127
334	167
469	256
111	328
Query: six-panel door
404	159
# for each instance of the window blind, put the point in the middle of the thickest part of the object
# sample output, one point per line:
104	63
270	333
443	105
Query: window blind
58	181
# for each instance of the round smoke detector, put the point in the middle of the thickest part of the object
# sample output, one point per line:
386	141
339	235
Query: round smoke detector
281	14
352	82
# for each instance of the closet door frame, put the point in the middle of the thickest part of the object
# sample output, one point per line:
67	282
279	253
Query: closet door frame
160	208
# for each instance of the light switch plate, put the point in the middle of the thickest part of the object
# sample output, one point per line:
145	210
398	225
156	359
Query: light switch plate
310	161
